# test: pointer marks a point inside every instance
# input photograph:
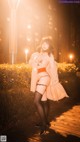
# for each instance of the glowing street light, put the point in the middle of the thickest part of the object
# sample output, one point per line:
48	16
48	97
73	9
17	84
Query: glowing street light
26	53
12	38
71	56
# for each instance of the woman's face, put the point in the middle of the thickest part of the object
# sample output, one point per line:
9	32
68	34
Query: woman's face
45	46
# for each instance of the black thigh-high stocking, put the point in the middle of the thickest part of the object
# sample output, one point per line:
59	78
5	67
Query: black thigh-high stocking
39	107
46	108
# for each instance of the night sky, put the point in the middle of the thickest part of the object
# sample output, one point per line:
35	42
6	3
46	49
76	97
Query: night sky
64	28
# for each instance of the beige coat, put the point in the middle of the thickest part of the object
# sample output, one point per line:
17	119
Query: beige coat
55	90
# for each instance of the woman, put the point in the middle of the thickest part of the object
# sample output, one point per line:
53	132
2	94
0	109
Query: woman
44	81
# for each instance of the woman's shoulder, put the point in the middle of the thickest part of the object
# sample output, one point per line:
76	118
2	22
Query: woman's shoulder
35	54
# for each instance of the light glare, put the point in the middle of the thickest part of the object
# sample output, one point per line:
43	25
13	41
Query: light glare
26	51
71	56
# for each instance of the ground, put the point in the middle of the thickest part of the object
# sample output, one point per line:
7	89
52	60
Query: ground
64	118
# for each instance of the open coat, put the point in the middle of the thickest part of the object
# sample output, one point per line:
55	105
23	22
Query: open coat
55	90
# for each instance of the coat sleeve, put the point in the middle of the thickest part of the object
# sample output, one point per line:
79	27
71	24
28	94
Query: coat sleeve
33	63
52	70
33	59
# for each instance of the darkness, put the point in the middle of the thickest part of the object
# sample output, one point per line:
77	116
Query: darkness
69	25
64	28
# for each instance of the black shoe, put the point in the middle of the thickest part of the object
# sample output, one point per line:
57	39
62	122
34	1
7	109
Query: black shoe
42	130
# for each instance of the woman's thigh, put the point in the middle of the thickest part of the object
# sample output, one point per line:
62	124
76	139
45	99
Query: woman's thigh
42	84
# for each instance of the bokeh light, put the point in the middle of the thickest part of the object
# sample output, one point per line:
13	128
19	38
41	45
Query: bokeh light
71	57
